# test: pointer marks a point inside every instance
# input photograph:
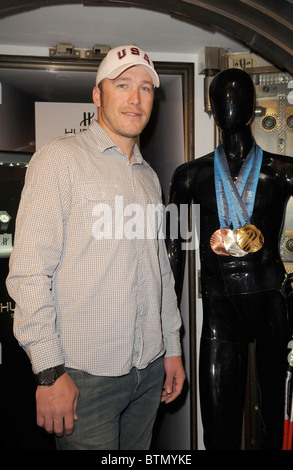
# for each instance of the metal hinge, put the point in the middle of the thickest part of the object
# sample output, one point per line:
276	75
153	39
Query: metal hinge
68	50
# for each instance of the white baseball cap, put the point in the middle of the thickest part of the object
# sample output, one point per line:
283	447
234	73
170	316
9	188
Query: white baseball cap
121	58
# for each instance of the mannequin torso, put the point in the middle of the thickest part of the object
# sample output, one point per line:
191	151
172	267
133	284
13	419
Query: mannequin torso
242	301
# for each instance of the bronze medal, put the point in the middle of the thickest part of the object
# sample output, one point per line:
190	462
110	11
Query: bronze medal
249	238
217	241
231	245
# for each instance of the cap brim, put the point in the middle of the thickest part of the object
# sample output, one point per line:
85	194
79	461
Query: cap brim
115	73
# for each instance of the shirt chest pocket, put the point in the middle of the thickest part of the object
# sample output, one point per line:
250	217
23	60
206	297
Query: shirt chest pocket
99	201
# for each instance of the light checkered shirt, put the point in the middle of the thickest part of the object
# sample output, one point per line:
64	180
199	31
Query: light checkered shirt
98	305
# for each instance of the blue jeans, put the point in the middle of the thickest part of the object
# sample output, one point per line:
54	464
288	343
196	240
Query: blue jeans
115	413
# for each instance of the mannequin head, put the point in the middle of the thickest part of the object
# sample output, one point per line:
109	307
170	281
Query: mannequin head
232	99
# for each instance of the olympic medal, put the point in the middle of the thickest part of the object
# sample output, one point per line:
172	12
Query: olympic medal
231	245
217	241
249	238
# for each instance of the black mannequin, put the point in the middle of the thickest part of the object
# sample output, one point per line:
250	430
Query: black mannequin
241	297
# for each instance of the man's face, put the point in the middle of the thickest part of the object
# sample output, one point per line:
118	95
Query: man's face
125	103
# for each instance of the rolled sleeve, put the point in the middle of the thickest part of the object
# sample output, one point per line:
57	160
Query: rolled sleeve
171	318
35	257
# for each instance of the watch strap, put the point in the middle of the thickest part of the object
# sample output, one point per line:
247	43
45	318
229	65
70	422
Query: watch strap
49	376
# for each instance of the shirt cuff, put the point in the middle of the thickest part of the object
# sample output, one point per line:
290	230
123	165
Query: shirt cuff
45	355
173	346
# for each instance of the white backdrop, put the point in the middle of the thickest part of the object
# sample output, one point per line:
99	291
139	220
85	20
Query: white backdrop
55	119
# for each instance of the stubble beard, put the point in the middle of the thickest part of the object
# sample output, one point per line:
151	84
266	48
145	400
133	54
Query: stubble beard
118	131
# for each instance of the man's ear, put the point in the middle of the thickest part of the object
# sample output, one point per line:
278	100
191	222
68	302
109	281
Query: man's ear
97	96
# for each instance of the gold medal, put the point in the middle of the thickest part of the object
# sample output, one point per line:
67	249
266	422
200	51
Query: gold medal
249	238
217	241
231	245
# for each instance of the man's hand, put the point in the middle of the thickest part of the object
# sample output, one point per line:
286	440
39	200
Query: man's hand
175	377
57	405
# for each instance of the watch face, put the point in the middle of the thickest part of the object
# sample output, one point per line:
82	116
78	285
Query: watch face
48	376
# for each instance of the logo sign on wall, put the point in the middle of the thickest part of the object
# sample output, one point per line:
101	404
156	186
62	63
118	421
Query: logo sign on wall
55	119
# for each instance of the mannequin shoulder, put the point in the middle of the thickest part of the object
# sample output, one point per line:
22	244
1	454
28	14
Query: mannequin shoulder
278	168
274	158
191	169
279	163
192	177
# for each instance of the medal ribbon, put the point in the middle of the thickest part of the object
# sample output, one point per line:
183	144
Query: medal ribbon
236	201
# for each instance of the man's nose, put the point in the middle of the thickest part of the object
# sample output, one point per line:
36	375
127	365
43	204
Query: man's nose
134	96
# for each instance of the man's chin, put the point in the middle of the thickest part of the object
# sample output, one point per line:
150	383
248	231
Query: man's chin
131	134
133	131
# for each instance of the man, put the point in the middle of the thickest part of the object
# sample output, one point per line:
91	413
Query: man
97	311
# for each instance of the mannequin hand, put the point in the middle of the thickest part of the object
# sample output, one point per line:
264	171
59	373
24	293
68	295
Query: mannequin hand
57	405
175	377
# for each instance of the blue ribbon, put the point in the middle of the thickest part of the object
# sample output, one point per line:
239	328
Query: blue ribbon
235	202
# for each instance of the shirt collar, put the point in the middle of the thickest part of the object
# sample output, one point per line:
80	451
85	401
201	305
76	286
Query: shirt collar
104	142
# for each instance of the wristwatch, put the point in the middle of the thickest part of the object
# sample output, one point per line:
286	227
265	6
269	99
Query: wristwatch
49	376
4	220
